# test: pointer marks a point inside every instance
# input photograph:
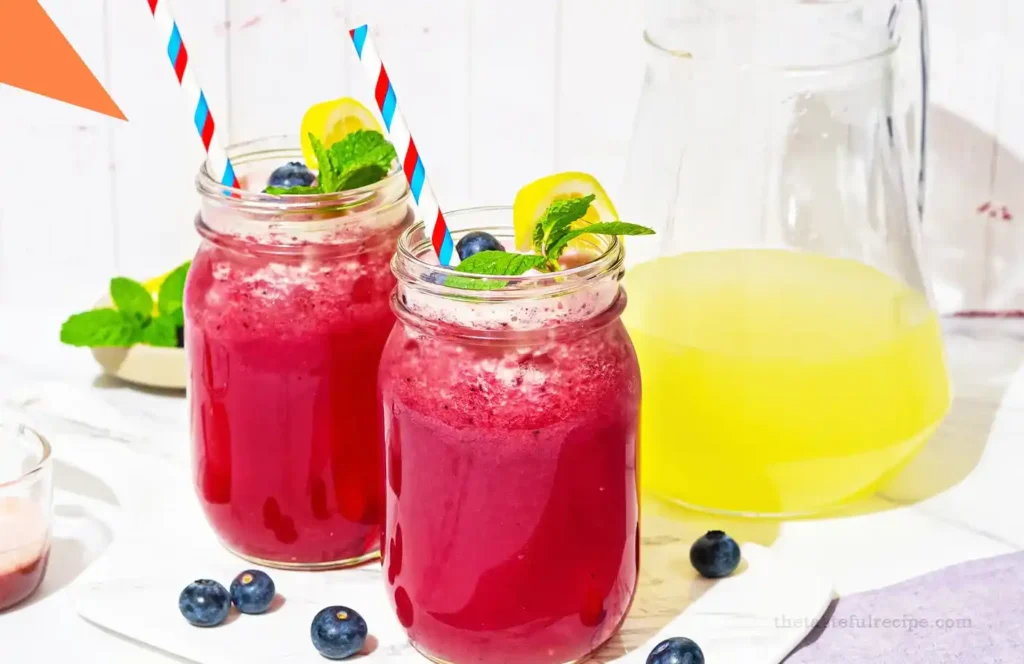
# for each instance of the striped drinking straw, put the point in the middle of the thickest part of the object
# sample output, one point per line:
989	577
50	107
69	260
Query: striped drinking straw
433	219
167	28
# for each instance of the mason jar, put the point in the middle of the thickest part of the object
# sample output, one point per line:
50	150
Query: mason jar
510	419
287	309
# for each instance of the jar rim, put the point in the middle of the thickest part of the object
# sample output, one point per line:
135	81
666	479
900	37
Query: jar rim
40	466
412	271
259	203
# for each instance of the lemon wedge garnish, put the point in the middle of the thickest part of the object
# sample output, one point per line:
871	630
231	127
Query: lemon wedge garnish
533	200
331	121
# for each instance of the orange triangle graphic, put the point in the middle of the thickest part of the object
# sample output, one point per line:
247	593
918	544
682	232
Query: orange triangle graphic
35	56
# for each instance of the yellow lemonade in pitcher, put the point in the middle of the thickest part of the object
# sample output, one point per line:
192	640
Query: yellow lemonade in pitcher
778	382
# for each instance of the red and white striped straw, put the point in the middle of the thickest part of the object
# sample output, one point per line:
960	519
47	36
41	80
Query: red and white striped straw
216	156
426	201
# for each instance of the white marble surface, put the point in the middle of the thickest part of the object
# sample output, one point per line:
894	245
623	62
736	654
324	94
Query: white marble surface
958	501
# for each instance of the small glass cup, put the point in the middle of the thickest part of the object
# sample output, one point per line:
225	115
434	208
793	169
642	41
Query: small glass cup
26	495
510	417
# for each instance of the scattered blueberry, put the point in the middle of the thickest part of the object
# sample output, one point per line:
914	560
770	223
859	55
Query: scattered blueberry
715	555
252	591
338	632
475	242
204	603
677	650
292	174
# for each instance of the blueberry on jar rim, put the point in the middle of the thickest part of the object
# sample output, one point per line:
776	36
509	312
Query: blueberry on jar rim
292	174
476	241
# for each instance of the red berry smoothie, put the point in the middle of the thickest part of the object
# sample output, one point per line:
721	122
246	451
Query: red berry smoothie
512	501
283	344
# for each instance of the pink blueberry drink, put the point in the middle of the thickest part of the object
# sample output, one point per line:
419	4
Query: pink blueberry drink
287	312
510	420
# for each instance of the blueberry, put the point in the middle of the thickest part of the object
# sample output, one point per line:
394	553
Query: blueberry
292	174
338	632
715	555
676	650
475	242
252	591
204	603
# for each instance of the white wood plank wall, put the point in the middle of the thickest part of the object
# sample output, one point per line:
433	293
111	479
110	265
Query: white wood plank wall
496	93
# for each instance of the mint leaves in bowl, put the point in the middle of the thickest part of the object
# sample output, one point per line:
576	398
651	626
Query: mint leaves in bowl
136	332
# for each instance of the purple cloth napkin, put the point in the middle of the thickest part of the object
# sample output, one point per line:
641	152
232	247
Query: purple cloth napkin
971	613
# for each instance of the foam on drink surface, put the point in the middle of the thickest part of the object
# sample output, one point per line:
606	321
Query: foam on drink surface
521	314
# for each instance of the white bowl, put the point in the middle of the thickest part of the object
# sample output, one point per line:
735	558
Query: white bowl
141	364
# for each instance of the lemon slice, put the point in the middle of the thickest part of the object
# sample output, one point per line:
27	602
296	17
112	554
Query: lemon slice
533	200
331	121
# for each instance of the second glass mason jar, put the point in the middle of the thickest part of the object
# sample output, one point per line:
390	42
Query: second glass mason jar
510	418
287	310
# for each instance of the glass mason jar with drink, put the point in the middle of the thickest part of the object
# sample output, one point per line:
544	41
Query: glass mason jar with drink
26	495
511	407
287	310
792	358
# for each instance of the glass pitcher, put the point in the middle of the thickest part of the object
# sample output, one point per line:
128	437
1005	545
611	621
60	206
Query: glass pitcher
791	355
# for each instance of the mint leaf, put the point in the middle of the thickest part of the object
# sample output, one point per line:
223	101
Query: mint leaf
161	332
362	158
498	263
328	176
361	148
298	190
554	250
131	298
99	328
361	176
172	294
503	263
558	218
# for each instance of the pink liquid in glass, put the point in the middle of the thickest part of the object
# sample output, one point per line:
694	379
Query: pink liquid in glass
512	504
283	352
24	549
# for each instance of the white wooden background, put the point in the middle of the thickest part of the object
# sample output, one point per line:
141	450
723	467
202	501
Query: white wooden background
496	92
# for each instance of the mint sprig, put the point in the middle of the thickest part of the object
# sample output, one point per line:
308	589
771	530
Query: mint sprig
101	327
502	263
552	234
161	332
131	320
554	249
170	301
131	298
362	158
558	219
